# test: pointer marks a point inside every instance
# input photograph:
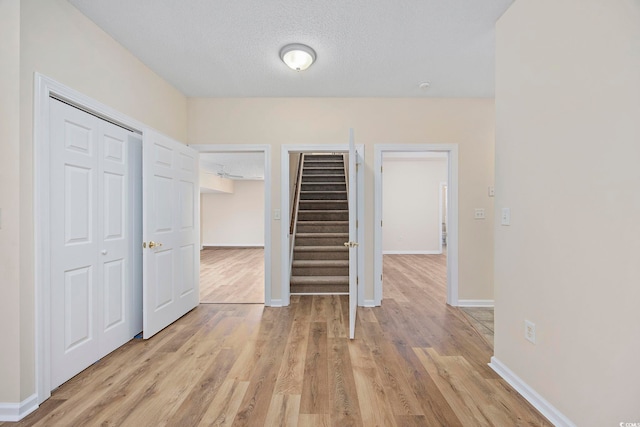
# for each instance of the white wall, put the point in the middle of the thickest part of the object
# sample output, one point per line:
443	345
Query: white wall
10	200
411	204
235	219
567	164
276	121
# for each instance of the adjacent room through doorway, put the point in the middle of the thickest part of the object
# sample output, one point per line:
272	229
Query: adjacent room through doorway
232	227
414	225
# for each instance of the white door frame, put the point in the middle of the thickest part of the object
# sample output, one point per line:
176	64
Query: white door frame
285	151
441	206
266	150
452	214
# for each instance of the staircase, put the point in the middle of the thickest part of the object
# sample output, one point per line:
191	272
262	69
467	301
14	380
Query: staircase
320	259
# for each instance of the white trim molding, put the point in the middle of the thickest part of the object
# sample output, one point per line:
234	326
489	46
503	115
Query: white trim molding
436	252
451	151
12	412
557	418
233	246
369	303
475	303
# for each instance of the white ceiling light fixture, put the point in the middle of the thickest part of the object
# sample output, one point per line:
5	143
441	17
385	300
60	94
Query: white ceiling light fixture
297	56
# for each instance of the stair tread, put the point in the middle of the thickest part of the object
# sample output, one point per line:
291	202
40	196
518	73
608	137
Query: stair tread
324	184
317	222
320	263
322	210
315	234
320	248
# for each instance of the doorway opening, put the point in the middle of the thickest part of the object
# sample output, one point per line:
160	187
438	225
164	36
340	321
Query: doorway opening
416	216
235	196
232	189
291	169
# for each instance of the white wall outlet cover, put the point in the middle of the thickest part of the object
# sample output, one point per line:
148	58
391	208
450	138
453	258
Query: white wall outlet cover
530	331
276	214
479	213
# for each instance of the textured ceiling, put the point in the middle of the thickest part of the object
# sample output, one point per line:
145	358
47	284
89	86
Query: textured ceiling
373	48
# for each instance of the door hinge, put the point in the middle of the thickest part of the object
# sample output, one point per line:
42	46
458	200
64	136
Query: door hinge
357	280
381	277
356	223
380	223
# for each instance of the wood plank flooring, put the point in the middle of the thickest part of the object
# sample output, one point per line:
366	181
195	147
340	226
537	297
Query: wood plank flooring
481	318
232	275
414	362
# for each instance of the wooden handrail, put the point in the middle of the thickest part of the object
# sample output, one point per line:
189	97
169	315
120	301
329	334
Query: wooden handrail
296	194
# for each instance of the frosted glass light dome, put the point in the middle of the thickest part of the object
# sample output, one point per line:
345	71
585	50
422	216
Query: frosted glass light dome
298	57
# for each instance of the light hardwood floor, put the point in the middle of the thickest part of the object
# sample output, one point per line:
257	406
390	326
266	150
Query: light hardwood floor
232	275
414	362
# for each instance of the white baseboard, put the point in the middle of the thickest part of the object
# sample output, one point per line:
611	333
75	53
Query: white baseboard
16	411
436	252
547	409
369	303
276	303
475	303
218	245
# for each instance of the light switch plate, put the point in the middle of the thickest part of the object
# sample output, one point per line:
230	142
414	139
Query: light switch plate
276	214
505	218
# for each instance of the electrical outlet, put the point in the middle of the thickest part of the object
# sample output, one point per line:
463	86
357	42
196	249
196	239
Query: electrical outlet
530	331
479	213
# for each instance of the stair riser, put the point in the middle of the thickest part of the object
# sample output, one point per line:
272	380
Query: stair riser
323	216
325	164
329	228
330	157
323	178
334	186
320	271
342	255
310	205
324	196
321	241
322	171
319	289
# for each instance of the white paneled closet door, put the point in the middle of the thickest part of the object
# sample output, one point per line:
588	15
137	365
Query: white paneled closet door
91	247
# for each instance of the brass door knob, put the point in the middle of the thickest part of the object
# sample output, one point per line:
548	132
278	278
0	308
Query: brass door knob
153	244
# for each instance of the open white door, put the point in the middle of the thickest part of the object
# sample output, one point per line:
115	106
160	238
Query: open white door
170	212
353	236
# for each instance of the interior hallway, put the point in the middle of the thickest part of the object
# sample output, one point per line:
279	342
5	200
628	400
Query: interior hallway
415	362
